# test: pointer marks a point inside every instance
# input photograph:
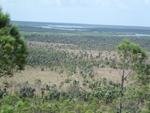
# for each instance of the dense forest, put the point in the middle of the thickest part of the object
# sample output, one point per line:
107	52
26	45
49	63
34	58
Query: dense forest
93	73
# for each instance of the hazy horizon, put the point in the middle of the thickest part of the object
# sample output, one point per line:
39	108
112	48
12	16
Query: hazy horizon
97	12
79	23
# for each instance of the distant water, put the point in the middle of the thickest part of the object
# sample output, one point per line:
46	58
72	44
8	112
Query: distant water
62	27
84	28
138	35
135	35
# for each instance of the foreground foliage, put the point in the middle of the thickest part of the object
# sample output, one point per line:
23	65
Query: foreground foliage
12	104
13	50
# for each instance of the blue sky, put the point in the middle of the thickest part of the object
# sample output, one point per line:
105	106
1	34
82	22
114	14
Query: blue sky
105	12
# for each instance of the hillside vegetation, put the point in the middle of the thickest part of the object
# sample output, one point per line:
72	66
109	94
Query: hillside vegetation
75	72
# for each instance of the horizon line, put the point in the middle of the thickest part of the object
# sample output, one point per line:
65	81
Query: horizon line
82	23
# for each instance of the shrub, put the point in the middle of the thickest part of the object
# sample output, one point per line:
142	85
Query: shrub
67	81
84	84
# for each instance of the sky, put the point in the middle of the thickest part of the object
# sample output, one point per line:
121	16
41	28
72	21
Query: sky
103	12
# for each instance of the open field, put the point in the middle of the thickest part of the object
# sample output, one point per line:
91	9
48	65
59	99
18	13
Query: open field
49	77
79	66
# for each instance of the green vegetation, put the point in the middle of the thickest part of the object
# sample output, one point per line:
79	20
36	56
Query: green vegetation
133	58
87	42
13	50
77	56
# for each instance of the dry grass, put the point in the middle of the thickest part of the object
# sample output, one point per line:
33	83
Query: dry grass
51	77
47	77
31	74
110	74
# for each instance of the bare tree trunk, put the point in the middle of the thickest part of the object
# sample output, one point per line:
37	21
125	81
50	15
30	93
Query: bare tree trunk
11	85
121	92
15	85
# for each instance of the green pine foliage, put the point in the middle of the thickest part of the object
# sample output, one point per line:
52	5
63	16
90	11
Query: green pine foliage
13	49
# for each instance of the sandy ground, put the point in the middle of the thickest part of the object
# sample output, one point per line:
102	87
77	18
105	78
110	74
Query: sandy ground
51	77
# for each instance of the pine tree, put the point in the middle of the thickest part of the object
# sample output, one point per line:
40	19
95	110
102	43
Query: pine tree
13	49
134	69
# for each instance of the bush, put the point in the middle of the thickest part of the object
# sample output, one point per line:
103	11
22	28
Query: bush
84	84
148	105
92	75
74	82
7	109
10	100
67	81
42	68
145	111
89	111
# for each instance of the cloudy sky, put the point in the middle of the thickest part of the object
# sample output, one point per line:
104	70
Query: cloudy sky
105	12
